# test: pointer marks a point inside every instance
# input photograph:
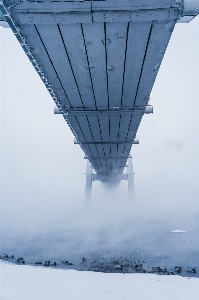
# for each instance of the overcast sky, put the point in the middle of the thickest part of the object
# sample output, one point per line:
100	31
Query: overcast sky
42	171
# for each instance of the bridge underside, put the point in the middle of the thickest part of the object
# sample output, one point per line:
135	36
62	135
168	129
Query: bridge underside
99	61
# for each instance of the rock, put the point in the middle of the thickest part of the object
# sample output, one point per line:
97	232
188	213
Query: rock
38	263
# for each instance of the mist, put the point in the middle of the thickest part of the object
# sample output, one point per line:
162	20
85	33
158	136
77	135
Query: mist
43	214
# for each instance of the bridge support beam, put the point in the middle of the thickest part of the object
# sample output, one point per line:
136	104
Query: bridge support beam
88	187
130	179
90	177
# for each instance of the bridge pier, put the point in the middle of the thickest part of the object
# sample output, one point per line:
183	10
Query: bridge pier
88	187
90	177
130	173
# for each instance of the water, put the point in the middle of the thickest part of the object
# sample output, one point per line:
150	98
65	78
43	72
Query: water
149	242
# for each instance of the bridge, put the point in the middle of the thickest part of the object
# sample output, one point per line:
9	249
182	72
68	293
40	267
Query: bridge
99	60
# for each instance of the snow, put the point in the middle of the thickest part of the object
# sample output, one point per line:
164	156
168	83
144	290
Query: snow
179	231
20	282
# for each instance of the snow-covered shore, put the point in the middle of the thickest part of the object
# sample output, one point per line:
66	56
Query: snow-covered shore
20	282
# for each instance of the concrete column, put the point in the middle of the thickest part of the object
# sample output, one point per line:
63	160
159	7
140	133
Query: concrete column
88	187
131	179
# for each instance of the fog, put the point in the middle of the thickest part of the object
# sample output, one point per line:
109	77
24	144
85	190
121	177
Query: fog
42	171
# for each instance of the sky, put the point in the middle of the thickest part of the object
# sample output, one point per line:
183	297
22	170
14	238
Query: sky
42	171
